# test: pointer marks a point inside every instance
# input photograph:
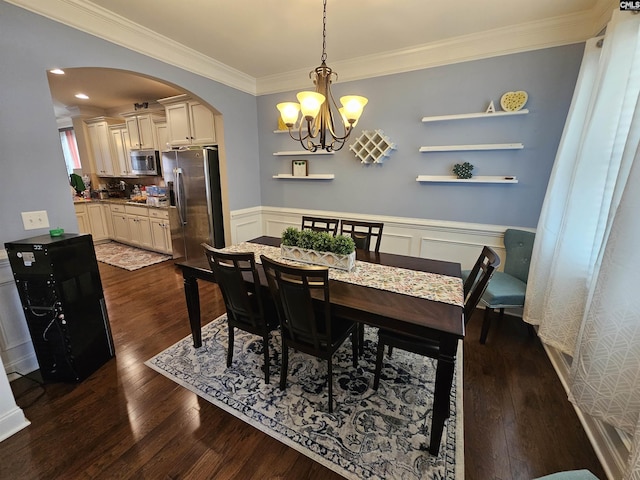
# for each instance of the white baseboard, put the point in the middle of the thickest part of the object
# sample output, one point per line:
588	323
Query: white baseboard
12	422
609	444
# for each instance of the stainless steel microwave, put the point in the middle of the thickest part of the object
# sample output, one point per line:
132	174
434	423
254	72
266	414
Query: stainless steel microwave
145	162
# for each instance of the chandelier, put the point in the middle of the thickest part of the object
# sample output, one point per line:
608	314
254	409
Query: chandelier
319	108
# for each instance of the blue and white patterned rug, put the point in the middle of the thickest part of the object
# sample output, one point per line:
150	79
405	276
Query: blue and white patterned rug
370	435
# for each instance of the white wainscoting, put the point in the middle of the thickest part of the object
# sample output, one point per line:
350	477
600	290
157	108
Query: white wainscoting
16	347
12	344
454	241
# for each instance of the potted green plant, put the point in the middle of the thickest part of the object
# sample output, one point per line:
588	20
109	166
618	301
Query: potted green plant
318	248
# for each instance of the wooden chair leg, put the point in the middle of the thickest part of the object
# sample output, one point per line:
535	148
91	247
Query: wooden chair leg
361	338
330	380
379	355
230	347
486	323
265	347
285	366
355	345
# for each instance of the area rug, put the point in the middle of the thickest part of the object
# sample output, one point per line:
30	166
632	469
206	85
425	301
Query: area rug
370	435
129	258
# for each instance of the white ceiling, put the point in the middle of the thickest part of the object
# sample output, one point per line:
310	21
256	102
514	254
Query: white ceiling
263	46
269	37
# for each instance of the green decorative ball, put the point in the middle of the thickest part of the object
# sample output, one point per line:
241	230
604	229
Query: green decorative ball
463	170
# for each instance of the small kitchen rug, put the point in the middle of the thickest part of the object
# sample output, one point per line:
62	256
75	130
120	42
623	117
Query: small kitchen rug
129	258
370	435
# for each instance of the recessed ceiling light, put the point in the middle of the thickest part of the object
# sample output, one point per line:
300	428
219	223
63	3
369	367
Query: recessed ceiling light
82	96
57	71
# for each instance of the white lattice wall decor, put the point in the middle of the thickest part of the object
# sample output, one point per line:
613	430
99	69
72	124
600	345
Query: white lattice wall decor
373	146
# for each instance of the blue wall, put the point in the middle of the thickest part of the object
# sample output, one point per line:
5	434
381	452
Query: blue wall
397	104
33	174
34	177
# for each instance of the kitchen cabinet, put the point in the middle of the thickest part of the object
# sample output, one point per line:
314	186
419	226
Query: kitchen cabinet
140	231
120	224
140	128
83	218
162	135
139	226
97	222
91	219
160	231
142	226
119	137
188	121
99	139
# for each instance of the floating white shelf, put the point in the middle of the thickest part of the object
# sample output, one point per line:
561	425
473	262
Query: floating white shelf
463	116
314	176
454	179
460	148
302	152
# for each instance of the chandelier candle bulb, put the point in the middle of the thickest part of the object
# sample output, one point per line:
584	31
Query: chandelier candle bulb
353	106
310	103
289	112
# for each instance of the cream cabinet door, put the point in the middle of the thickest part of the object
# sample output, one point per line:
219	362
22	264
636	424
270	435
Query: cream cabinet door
120	145
161	235
120	227
202	124
97	222
178	124
100	147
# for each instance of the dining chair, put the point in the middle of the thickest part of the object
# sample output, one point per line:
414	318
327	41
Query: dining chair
307	325
507	289
362	233
473	288
320	224
246	309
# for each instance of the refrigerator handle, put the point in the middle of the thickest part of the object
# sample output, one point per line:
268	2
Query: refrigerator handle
180	200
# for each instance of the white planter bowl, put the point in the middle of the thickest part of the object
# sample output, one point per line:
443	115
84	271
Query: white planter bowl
326	259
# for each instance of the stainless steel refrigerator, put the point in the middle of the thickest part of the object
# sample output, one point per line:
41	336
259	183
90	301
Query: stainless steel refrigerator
195	213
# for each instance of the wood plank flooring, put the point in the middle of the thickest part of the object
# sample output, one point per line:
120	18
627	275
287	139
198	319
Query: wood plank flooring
127	421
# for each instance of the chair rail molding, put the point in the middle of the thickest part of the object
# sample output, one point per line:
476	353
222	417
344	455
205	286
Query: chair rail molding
446	240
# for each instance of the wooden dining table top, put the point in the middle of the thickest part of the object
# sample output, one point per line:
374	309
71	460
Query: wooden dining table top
381	308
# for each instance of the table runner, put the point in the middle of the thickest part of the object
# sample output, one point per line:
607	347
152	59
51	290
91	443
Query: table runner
430	286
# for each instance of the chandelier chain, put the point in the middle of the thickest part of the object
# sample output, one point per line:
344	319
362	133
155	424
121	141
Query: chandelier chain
324	31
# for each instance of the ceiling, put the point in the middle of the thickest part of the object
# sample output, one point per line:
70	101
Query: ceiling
268	37
262	46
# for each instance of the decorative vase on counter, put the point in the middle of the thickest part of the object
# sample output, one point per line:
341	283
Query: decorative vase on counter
325	259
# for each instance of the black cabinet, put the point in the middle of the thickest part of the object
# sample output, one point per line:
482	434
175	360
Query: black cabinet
61	293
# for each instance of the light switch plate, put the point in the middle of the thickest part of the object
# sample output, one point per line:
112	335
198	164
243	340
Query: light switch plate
35	220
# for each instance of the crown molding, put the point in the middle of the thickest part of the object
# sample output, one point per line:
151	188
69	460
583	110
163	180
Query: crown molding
102	23
97	21
564	30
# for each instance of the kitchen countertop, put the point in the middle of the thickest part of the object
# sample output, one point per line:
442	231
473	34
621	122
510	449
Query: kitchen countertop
117	201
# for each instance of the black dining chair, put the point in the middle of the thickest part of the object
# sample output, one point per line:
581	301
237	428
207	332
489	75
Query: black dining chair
307	325
320	224
363	233
473	288
246	309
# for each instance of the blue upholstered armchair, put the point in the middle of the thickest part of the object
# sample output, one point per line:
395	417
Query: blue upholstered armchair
507	289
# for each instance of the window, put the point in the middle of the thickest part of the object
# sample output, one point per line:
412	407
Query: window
70	149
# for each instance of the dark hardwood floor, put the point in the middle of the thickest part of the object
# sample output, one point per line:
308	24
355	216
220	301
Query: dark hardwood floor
127	421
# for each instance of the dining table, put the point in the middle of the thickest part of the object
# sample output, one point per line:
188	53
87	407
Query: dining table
433	320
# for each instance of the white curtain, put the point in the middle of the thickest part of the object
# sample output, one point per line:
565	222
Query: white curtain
584	284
